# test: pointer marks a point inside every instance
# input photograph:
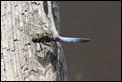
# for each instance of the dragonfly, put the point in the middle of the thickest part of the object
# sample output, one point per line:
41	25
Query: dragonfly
46	37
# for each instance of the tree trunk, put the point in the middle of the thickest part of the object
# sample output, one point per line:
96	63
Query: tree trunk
21	59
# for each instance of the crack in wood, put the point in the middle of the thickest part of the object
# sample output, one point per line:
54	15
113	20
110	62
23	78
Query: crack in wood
45	5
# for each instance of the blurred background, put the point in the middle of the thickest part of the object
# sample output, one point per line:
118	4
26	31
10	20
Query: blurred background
100	59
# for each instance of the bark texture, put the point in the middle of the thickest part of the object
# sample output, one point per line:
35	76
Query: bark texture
21	59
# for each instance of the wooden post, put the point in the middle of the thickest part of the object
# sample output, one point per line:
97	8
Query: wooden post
21	59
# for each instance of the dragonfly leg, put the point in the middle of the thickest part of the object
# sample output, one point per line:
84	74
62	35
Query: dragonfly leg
47	44
40	46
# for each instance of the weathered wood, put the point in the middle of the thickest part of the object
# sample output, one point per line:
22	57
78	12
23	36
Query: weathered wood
21	59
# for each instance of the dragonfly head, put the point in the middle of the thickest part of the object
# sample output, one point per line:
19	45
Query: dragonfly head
43	37
36	39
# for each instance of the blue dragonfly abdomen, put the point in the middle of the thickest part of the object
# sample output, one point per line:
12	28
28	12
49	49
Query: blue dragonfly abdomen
70	39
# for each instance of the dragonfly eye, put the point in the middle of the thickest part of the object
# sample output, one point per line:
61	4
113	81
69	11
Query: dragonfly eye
34	40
